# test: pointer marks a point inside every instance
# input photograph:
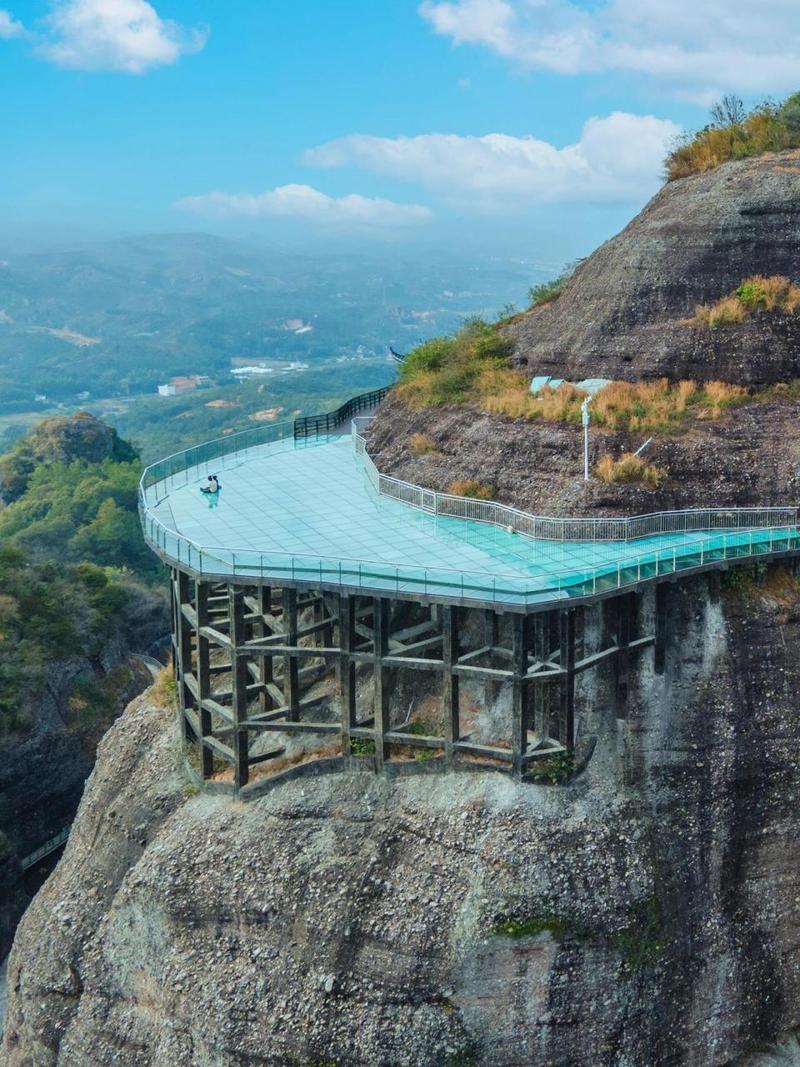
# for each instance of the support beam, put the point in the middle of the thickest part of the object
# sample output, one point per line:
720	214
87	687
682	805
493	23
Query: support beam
346	669
380	626
567	646
261	628
239	689
183	648
626	625
291	682
519	691
450	681
490	638
662	608
203	676
540	694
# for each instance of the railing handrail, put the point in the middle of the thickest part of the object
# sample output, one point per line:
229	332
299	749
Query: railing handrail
216	552
263	434
666	559
48	846
578	528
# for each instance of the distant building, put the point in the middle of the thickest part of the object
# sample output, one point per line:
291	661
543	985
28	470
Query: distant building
183	384
249	372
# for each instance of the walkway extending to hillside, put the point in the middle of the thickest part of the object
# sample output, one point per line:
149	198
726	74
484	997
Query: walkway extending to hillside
303	504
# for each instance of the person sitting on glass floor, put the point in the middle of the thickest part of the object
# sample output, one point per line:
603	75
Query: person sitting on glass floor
213	485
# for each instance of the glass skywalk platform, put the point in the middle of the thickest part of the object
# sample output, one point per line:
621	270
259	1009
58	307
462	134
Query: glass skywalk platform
303	511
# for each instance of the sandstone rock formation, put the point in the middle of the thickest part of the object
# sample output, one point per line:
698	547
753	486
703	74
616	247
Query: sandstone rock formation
695	242
749	458
353	920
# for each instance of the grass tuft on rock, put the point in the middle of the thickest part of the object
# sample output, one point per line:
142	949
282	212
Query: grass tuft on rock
422	444
472	489
629	470
165	688
756	294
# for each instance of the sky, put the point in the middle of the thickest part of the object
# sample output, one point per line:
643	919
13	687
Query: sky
465	123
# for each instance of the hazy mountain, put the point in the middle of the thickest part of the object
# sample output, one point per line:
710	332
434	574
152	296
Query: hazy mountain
121	316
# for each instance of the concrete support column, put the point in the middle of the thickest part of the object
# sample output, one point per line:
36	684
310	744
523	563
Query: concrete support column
450	690
346	669
381	610
241	766
203	676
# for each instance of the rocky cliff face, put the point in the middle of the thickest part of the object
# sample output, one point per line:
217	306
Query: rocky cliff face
695	242
352	920
749	458
42	773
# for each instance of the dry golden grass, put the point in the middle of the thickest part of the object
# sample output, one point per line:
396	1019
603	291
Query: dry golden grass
763	130
165	689
757	293
470	488
629	470
422	444
726	312
506	392
639	406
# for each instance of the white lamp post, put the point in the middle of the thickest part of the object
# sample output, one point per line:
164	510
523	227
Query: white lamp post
585	421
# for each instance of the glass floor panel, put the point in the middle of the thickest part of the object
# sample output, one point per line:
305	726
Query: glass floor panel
305	509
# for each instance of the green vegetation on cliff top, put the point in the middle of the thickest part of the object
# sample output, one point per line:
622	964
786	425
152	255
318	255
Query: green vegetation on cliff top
735	133
72	560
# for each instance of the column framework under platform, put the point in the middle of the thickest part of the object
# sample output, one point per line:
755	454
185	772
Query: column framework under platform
260	660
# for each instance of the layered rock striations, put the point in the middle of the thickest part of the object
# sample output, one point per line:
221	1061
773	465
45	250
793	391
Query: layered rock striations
748	458
358	921
622	314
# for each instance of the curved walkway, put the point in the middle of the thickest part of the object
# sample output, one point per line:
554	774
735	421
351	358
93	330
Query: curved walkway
302	511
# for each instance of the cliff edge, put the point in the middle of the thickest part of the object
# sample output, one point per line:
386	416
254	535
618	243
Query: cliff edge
644	914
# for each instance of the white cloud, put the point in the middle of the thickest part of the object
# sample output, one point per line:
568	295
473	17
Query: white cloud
9	27
617	158
305	202
696	49
124	35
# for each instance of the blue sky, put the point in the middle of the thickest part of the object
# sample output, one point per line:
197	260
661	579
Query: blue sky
379	121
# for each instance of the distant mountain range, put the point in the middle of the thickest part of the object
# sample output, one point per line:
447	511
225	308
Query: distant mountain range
122	316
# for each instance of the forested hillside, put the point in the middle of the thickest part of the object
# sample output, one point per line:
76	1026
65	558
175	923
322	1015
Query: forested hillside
79	592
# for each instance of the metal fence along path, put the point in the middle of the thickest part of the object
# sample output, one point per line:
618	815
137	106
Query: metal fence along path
299	505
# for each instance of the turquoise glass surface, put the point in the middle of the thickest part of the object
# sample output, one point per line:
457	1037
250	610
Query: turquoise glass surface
304	510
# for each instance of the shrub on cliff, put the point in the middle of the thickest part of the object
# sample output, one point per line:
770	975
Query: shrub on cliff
77	438
51	614
74	509
758	293
447	370
629	470
551	290
735	133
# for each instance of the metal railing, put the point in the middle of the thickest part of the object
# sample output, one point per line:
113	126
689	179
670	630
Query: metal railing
315	425
45	849
548	528
464	585
181	467
731	534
